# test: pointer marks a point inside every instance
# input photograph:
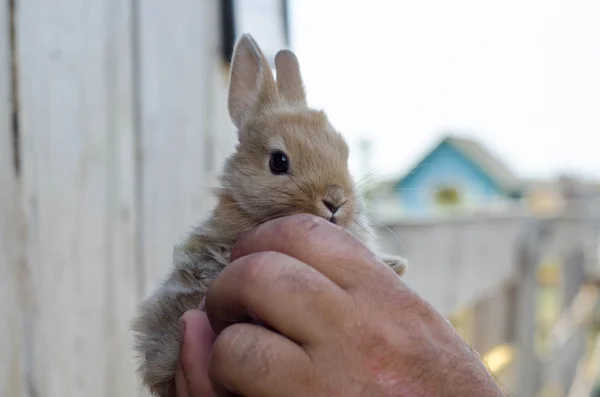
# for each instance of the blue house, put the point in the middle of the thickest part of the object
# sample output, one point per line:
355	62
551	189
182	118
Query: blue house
455	174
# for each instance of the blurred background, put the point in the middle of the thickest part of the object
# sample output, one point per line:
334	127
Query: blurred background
474	129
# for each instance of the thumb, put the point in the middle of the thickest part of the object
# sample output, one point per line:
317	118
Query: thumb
197	340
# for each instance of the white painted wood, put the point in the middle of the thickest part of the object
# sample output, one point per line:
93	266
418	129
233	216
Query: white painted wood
75	73
492	315
12	380
263	19
453	264
177	47
527	382
222	134
125	278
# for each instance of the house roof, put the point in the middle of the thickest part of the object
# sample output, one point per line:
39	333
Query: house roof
482	157
496	169
492	165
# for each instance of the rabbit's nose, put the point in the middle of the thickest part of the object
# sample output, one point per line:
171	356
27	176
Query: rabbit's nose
334	194
331	207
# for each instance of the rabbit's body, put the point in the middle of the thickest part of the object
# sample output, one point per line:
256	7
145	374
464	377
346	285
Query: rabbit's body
289	160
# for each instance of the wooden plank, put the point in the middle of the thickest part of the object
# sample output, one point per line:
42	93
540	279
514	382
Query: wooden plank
568	339
492	314
125	280
453	264
78	175
12	377
527	363
178	45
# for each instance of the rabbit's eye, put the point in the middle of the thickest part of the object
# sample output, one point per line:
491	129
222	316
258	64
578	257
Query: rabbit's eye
279	163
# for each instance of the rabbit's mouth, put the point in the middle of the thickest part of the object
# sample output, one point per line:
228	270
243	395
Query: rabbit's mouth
332	209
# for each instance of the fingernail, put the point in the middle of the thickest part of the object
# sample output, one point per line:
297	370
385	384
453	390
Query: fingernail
202	305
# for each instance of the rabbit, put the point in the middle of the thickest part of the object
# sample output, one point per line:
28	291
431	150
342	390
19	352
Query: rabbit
289	159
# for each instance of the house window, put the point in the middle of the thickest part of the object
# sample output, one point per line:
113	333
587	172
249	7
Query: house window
447	196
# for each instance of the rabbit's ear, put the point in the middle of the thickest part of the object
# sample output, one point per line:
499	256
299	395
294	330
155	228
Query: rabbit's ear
251	82
289	79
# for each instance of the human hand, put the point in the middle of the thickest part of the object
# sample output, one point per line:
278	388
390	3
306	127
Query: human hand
345	324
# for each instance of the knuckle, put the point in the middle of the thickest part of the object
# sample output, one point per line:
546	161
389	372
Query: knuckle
301	280
420	307
257	267
238	346
301	226
411	303
265	269
316	230
225	349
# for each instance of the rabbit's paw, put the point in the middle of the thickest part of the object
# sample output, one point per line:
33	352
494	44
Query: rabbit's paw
397	263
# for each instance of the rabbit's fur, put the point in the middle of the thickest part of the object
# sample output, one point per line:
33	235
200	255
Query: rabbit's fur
269	115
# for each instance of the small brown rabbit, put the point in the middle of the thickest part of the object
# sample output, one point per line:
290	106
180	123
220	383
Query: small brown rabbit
289	160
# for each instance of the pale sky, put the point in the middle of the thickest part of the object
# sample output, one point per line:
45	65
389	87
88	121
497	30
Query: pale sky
522	76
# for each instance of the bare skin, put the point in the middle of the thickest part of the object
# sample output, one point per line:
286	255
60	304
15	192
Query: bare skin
339	324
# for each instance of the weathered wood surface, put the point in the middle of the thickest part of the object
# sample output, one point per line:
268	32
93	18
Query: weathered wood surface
527	369
12	378
123	131
177	43
78	180
454	263
472	262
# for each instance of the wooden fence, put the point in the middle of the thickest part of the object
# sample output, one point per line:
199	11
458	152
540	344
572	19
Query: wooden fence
108	160
491	263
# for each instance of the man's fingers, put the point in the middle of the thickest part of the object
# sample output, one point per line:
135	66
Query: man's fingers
316	242
252	361
198	339
181	382
279	291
